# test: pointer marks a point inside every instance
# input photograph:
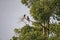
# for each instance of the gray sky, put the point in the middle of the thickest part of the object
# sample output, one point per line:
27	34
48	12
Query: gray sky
10	12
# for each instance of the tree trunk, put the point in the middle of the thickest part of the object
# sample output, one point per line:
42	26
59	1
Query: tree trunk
45	34
46	31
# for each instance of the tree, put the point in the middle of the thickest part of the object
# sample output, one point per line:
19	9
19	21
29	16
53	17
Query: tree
41	11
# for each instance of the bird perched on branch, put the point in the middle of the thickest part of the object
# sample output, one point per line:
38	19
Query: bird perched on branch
24	17
28	19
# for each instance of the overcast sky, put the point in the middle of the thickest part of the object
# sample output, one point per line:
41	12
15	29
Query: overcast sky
10	12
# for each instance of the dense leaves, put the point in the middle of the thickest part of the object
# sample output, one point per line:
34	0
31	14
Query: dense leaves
35	33
43	9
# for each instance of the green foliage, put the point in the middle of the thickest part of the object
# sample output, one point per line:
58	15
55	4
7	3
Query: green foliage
16	30
35	33
41	11
14	38
30	33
